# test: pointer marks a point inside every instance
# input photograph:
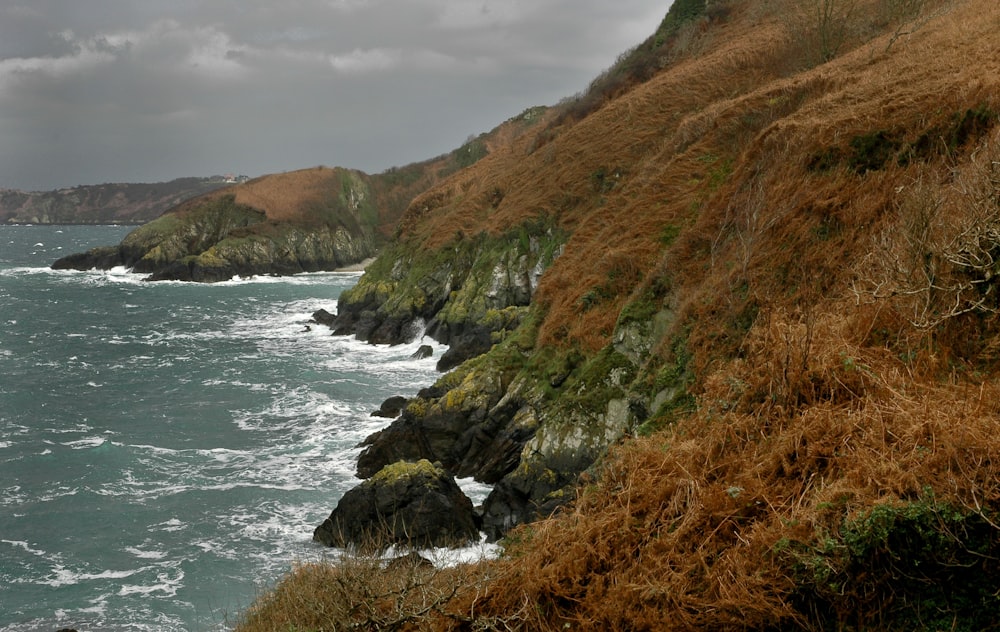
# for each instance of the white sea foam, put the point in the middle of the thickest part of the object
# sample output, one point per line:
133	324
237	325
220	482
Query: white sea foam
166	585
26	547
294	406
476	491
304	278
80	428
478	551
62	576
145	555
62	491
444	556
117	275
83	444
87	277
169	526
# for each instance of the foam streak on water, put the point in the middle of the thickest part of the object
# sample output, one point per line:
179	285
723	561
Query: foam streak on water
166	449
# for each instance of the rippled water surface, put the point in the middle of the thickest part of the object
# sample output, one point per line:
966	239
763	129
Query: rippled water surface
166	449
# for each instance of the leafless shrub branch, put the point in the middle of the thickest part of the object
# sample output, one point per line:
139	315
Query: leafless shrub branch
939	260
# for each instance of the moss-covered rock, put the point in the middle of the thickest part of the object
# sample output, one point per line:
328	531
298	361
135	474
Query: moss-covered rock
266	226
410	503
466	427
529	421
465	294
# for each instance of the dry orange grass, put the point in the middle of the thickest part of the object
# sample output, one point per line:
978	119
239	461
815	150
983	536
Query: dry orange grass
677	150
813	406
698	527
357	592
830	407
683	529
287	196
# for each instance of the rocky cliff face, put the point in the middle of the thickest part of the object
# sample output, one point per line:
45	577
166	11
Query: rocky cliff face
221	235
526	418
467	295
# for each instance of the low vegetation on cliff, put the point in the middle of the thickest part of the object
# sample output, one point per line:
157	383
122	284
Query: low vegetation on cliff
756	374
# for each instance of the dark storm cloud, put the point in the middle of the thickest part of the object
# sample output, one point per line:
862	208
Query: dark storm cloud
115	90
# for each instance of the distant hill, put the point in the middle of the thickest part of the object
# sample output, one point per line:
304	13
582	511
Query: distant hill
320	218
110	203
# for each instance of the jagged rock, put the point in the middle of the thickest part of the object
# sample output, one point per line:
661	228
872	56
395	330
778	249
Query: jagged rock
473	342
402	440
391	407
424	351
103	258
552	460
433	391
472	429
529	493
413	504
480	290
323	317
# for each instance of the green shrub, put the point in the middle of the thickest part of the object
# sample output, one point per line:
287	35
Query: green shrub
903	565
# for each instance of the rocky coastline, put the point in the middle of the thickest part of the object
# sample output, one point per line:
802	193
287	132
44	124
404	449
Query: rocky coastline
219	239
498	414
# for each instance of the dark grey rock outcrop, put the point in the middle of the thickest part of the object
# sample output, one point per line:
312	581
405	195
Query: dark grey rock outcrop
101	258
472	429
391	407
424	351
323	317
412	504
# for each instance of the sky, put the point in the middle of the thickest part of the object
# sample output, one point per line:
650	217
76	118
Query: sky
95	91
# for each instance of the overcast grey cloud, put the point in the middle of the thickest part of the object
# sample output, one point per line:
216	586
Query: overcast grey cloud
98	91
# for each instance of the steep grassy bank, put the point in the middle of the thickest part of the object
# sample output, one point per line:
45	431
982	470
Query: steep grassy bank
773	308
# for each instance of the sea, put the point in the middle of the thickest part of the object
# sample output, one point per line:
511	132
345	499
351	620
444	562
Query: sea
166	449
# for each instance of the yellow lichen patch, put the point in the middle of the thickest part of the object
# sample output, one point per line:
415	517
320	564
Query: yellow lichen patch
406	469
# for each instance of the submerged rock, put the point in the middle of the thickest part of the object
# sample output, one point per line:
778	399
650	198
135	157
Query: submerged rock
413	504
424	351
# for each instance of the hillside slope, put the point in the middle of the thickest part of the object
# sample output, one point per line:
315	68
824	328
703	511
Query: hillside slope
128	203
767	274
301	221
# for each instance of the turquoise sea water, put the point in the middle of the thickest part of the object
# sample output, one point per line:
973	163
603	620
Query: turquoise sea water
166	449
